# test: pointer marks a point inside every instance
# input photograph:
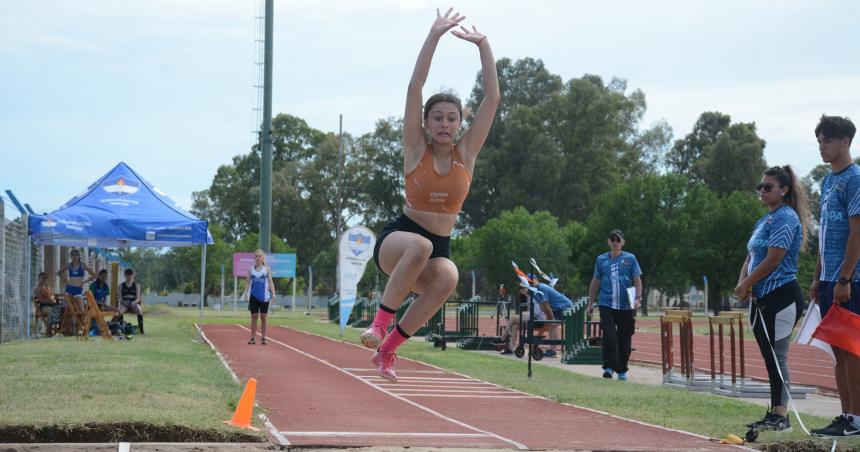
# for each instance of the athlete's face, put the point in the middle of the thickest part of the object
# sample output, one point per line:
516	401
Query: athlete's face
258	258
769	191
832	148
443	122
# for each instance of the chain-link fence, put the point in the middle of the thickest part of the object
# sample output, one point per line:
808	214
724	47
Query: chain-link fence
18	274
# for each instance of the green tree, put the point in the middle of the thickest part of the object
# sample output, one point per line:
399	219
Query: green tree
653	213
686	153
557	146
305	205
726	157
514	235
380	176
735	161
717	240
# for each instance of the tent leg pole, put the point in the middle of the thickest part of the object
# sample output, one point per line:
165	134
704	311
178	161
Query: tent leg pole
29	305
202	279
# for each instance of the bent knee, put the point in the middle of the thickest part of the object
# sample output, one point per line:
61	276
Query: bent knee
447	276
418	252
422	248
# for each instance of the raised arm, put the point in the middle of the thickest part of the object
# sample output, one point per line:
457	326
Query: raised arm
472	141
413	132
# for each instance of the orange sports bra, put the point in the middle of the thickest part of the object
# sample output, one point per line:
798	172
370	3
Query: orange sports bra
428	191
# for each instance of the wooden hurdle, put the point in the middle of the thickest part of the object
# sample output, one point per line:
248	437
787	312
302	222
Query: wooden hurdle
684	321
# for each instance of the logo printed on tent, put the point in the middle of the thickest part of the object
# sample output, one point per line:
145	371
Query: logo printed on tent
49	223
121	186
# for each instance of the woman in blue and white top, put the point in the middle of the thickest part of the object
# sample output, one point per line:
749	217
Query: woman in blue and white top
260	286
770	275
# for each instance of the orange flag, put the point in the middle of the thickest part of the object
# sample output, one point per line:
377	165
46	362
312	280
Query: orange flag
839	328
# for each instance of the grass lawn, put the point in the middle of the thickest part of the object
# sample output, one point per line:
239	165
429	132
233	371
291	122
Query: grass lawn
170	377
166	377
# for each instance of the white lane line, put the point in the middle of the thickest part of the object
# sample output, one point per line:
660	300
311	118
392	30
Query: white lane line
433	379
440	383
401	398
468	396
444	388
402	371
279	437
395	434
455	391
124	447
220	356
275	434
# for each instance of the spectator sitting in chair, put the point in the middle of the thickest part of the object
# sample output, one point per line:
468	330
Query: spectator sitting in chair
100	290
45	296
558	303
541	309
130	301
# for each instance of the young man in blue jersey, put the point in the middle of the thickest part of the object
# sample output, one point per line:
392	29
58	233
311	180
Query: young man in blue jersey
614	273
837	279
558	303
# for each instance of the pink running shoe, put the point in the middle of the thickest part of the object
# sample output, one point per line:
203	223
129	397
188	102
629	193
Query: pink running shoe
385	361
372	337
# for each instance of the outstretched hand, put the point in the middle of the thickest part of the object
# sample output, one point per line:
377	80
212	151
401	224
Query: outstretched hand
473	36
445	23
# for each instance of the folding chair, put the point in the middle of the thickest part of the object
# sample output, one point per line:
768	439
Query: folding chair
94	313
72	319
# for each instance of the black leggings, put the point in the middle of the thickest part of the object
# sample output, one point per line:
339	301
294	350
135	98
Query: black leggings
780	311
618	326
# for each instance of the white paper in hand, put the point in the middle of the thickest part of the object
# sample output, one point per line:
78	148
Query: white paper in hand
631	296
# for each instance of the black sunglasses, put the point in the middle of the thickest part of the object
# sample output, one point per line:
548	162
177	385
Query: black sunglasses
614	239
764	188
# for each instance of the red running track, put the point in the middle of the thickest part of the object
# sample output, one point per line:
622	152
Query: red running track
322	392
809	366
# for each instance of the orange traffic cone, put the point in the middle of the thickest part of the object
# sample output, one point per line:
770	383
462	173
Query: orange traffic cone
242	415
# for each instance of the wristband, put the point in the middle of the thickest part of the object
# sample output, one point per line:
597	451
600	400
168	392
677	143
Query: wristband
480	41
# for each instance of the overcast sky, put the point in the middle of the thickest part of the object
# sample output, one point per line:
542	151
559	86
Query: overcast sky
167	85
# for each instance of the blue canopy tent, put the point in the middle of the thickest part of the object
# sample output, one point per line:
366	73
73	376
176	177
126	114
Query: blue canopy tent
119	210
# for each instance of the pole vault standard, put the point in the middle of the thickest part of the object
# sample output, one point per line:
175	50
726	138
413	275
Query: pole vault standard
266	160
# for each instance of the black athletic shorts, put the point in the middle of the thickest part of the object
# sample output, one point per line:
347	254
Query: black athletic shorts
441	245
258	307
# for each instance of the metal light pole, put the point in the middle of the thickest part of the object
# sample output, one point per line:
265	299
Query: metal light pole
339	226
266	161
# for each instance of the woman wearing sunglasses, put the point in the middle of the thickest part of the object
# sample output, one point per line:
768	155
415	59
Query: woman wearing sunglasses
769	274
